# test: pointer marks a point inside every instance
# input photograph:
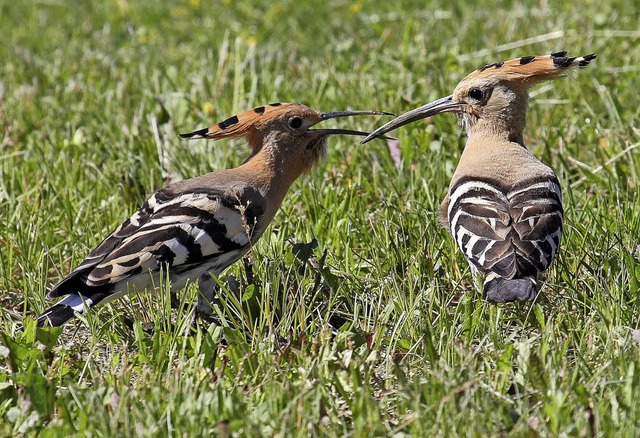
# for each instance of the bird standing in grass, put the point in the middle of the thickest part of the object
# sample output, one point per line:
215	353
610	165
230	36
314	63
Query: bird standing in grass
504	207
198	227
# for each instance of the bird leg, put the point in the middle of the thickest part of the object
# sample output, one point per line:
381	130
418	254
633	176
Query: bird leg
208	288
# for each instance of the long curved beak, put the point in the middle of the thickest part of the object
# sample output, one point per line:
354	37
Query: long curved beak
332	131
337	114
443	105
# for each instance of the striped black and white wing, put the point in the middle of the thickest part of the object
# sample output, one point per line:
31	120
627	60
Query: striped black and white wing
181	231
511	231
537	214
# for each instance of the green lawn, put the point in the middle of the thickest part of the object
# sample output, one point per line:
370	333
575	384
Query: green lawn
362	318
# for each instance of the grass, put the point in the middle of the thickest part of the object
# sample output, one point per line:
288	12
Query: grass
92	95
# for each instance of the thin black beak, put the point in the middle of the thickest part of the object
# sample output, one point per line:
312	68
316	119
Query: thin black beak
331	131
336	114
443	105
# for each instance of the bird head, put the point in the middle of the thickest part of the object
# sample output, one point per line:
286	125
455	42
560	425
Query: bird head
494	96
283	131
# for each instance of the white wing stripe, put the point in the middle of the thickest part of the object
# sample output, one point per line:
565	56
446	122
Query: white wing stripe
76	302
185	226
462	189
207	245
171	220
551	186
483	255
470	244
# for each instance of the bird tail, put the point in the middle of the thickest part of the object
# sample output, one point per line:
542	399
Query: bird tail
503	290
64	310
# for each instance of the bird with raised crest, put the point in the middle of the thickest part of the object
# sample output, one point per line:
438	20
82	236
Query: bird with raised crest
504	206
196	228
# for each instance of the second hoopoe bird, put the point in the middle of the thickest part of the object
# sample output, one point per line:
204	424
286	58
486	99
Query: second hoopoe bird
198	227
504	207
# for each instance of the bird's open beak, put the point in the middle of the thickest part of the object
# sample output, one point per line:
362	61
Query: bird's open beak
443	105
337	114
333	131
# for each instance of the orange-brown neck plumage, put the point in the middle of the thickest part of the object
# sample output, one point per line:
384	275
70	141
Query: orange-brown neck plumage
275	167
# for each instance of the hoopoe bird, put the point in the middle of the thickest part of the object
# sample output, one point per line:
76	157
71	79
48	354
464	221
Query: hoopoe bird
504	207
196	228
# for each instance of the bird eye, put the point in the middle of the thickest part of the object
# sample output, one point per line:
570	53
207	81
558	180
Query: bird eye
295	122
476	93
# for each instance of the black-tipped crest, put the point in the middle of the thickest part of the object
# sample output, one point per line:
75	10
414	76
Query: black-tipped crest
238	125
586	60
562	61
495	64
230	121
200	133
531	69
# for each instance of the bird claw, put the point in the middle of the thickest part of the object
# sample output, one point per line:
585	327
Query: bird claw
204	316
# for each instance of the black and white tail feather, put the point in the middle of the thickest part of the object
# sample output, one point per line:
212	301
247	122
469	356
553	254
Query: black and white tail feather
508	233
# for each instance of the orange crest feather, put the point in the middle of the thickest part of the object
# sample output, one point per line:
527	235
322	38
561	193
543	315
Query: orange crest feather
531	69
243	124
